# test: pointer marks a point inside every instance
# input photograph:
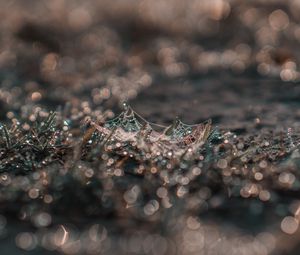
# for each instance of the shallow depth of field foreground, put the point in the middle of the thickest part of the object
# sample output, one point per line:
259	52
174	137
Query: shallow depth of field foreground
142	127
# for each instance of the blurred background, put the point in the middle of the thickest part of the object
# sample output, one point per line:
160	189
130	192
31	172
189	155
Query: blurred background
236	62
207	54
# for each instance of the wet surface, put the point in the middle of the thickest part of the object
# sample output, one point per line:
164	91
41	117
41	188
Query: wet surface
232	62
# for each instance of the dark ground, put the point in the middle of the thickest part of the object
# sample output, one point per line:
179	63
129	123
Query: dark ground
210	66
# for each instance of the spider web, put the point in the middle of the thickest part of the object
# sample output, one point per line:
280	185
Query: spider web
129	123
178	130
126	121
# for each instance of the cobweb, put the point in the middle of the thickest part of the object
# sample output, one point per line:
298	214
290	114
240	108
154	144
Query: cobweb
130	127
127	121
